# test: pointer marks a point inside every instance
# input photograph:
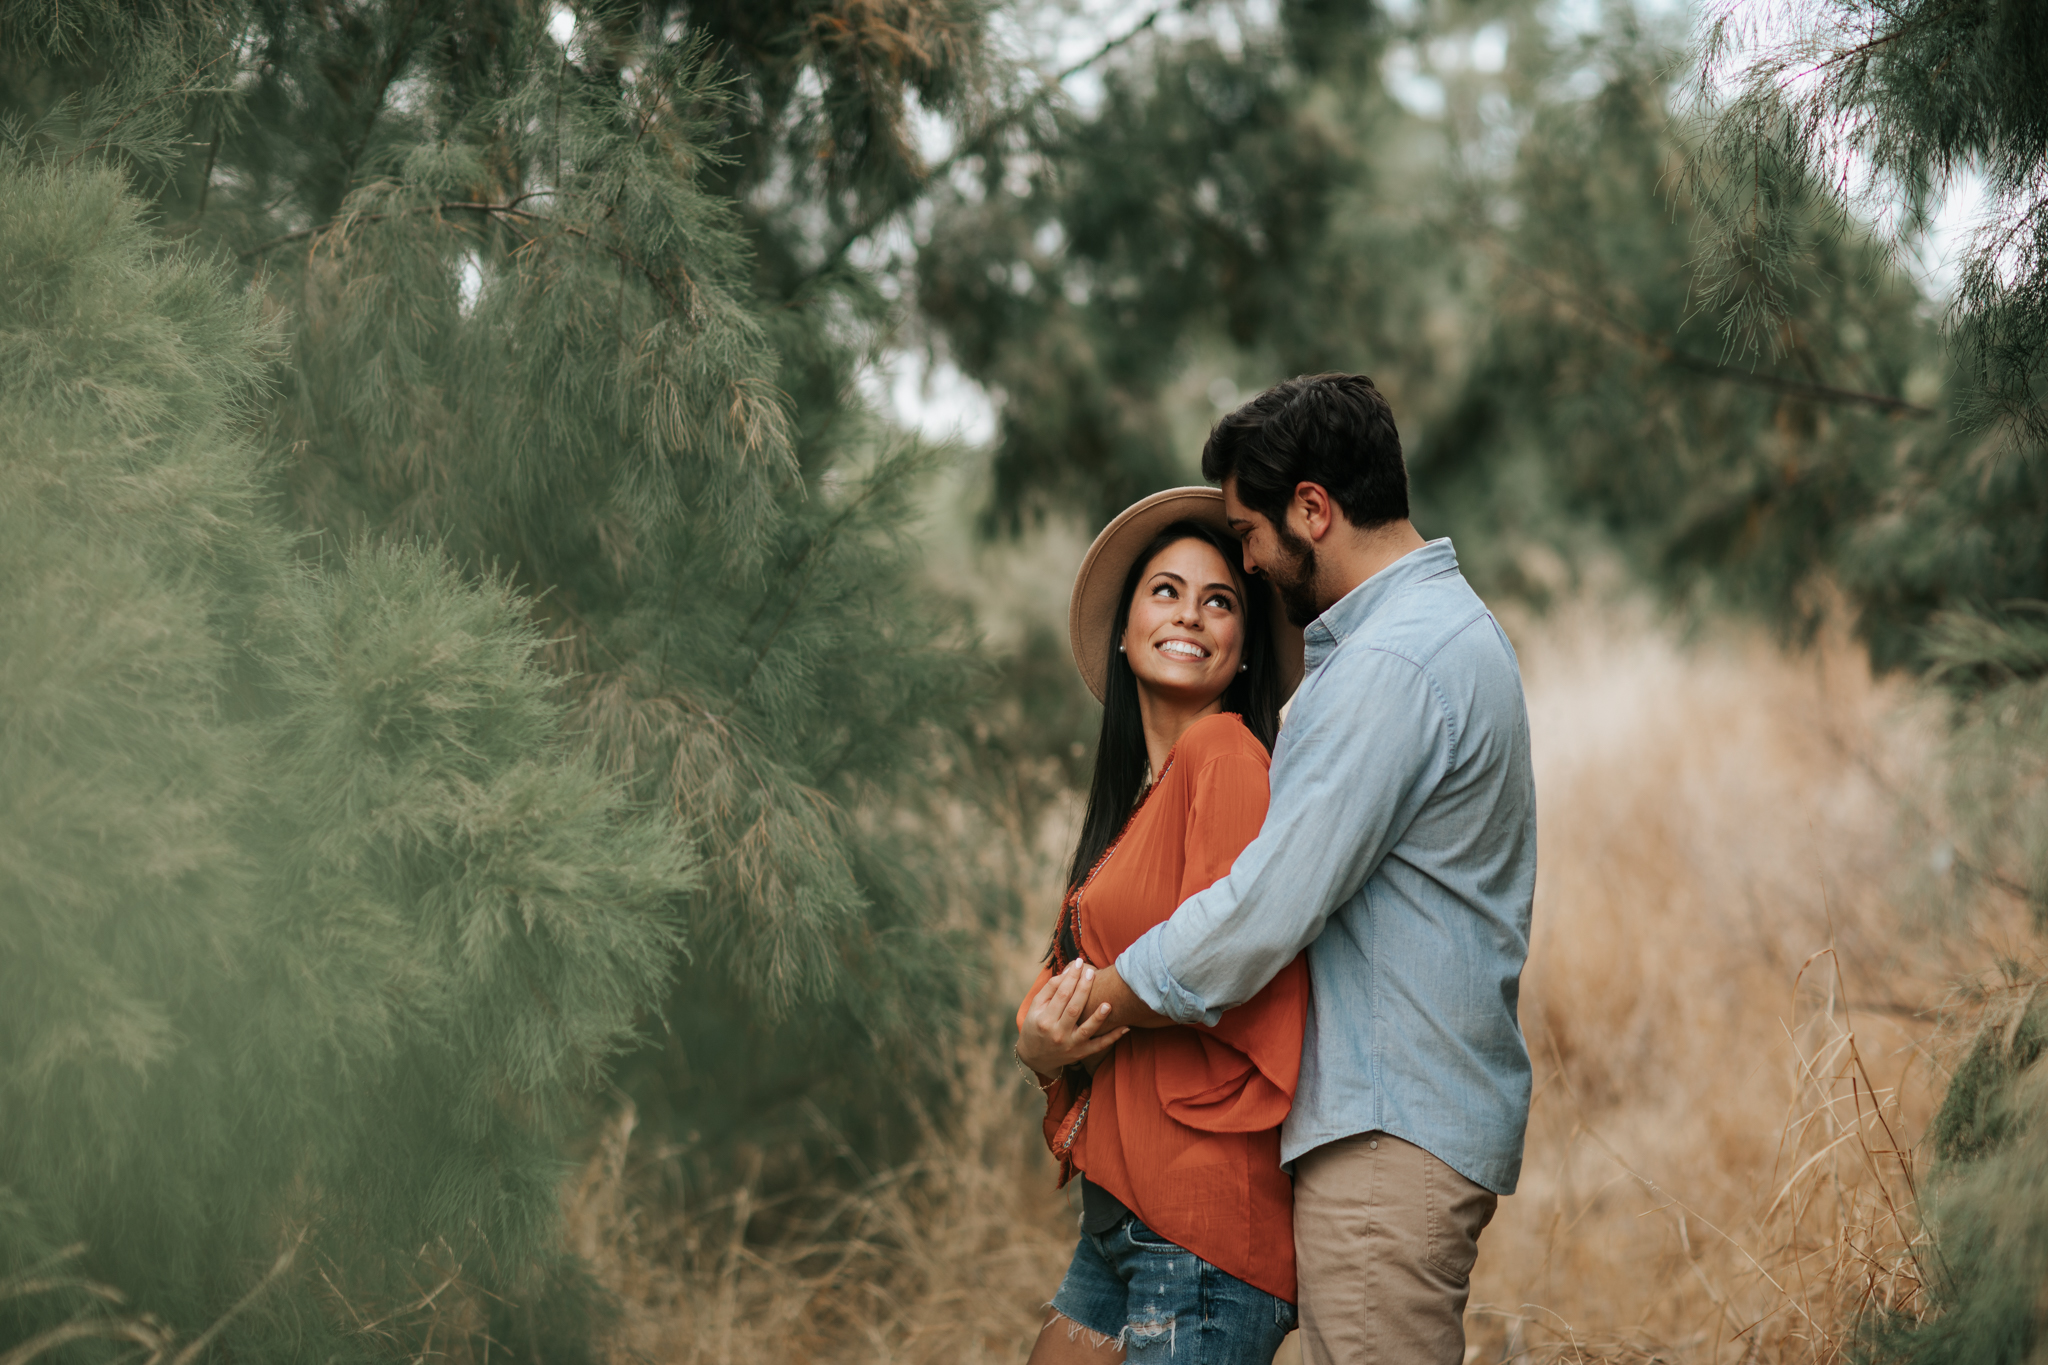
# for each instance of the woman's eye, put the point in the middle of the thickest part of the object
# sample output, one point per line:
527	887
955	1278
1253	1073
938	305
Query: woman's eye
1223	602
1163	590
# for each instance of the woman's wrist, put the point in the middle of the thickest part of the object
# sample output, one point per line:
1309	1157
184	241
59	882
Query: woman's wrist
1039	1078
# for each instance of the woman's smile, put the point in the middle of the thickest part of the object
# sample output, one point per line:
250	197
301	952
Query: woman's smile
1185	634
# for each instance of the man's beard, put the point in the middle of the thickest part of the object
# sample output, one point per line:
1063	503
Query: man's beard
1296	580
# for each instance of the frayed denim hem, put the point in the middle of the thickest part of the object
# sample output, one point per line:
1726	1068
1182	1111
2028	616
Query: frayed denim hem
1074	1329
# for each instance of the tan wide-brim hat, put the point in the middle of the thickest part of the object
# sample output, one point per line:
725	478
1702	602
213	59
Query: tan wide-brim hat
1091	613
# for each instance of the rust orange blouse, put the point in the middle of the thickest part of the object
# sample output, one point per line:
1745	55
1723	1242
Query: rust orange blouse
1183	1123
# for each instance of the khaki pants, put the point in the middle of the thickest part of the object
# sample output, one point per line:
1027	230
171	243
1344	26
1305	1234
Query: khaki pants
1384	1240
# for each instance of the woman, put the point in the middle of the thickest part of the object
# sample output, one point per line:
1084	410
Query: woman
1187	1243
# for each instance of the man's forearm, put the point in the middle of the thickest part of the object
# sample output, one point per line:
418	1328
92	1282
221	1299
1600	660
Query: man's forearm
1341	797
1126	1009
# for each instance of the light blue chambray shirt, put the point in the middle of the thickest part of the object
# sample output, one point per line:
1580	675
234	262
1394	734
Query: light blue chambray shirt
1400	850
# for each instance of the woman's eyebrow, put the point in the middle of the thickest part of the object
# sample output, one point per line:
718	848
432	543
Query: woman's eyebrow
1168	573
1230	588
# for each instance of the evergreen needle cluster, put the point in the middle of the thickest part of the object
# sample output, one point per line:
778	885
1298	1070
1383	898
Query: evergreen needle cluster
1882	108
549	303
315	923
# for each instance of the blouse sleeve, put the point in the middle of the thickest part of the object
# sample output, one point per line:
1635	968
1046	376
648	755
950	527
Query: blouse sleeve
1250	1061
1059	1096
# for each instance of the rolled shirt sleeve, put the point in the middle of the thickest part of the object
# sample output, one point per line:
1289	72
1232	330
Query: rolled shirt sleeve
1345	786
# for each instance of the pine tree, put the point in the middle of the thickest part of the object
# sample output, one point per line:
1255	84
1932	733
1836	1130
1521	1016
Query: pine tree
315	925
1952	555
1603	394
1919	93
537	307
552	301
1922	93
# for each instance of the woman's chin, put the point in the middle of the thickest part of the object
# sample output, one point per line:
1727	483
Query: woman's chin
1184	693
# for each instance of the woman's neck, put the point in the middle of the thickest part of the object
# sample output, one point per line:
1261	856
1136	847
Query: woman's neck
1166	720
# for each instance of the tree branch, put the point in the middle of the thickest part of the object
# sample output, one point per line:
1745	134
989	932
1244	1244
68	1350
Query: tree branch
1883	40
876	218
395	61
509	210
183	87
1653	345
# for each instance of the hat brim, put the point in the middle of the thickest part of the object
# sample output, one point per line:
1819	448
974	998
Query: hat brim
1091	612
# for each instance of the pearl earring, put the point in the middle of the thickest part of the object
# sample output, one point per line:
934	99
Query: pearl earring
1119	649
1242	667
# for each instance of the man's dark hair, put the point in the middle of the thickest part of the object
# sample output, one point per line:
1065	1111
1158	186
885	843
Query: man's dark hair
1331	429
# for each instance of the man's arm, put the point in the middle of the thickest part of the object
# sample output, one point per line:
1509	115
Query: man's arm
1356	767
1126	1010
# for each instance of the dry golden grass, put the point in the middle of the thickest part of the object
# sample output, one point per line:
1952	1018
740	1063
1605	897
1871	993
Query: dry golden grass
945	1259
1732	1001
1727	1012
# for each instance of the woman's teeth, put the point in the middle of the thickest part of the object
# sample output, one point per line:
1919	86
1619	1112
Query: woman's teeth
1181	649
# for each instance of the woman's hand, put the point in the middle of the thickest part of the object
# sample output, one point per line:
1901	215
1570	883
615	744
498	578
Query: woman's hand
1053	1035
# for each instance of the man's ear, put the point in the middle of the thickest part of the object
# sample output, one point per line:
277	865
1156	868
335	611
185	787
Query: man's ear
1312	502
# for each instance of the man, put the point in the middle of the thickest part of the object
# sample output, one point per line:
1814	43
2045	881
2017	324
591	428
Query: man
1400	851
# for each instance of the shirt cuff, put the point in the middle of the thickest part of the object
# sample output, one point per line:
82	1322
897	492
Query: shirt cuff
1143	968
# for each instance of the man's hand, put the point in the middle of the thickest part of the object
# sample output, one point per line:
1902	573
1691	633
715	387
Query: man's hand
1055	1034
1125	1011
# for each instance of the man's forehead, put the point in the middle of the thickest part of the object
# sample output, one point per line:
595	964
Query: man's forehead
1236	513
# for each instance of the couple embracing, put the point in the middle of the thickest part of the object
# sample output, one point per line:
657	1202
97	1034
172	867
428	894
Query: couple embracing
1276	1028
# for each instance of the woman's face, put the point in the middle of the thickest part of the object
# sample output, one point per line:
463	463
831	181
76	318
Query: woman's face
1185	637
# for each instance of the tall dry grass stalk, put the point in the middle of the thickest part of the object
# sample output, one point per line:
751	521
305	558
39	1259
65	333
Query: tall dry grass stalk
1734	1000
945	1259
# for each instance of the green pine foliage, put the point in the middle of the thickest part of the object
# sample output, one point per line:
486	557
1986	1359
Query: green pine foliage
565	292
1922	93
1572	384
316	925
1602	388
1217	200
1589	365
579	385
1987	1204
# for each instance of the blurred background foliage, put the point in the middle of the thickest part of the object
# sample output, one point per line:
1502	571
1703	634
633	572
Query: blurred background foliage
452	480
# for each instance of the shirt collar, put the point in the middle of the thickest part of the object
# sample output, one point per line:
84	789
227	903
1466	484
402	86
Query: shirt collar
1351	611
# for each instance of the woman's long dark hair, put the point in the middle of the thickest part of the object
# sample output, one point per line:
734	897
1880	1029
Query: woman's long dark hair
1120	751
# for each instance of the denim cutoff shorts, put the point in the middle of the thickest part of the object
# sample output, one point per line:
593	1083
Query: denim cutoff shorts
1166	1303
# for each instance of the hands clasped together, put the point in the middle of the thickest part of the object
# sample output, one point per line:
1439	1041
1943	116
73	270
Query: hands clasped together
1059	1029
